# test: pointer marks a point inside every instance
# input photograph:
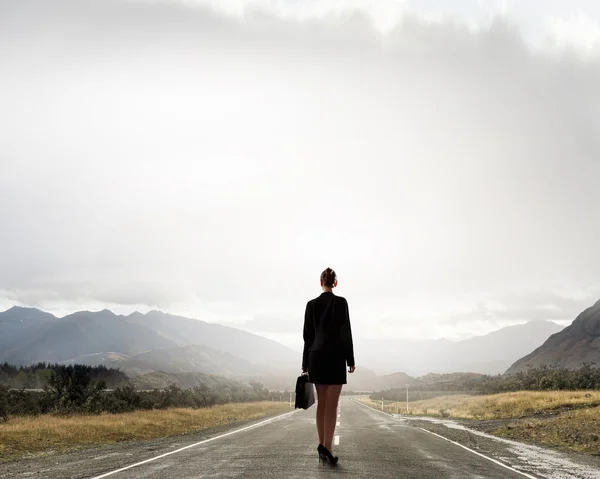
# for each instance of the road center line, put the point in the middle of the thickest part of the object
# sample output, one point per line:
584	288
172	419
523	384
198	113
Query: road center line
276	418
336	441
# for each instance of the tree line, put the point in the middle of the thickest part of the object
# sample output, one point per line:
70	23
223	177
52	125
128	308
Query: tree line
36	376
541	378
83	389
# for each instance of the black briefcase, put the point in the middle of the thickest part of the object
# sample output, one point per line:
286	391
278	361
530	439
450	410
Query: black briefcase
305	392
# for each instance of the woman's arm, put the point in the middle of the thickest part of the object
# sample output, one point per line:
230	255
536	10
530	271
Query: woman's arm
347	338
309	336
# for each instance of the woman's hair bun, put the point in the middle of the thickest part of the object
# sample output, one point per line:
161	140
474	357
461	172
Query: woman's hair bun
328	277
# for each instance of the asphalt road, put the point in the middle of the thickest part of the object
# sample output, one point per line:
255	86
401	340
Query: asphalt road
371	445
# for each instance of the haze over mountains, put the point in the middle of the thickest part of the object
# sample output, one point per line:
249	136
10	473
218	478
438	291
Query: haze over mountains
492	353
156	341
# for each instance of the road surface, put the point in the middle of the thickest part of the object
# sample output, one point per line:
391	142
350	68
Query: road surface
371	445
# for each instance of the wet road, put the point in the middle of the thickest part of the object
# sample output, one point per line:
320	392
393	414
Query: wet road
370	445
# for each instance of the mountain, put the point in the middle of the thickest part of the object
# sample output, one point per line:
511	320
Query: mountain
578	343
494	352
81	333
185	331
16	320
89	337
192	359
158	380
189	359
488	354
441	380
143	343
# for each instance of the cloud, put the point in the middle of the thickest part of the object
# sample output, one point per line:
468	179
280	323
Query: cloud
154	152
577	31
518	307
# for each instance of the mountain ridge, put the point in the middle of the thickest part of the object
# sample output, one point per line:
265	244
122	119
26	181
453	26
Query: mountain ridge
148	341
92	332
576	344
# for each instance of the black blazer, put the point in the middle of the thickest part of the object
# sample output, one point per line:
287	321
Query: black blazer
327	328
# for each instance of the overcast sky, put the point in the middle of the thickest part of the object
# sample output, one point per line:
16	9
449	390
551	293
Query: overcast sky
212	158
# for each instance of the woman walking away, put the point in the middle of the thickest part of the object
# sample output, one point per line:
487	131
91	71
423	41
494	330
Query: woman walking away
328	349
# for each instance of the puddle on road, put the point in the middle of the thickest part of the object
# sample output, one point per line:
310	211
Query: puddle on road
525	457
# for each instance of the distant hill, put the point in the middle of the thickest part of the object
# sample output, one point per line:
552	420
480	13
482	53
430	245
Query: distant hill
160	380
185	331
576	344
182	359
444	379
494	352
78	334
32	336
488	354
98	359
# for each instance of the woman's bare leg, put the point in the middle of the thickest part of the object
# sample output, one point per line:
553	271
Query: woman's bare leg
333	396
321	410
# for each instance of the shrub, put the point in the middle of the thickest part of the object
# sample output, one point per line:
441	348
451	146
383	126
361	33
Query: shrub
3	403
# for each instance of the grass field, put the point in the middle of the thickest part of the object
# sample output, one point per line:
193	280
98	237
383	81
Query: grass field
26	436
563	419
496	406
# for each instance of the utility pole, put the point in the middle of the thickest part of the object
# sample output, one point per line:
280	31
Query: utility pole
290	398
407	399
382	404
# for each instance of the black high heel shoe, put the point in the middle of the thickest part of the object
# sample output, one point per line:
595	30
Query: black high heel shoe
322	456
330	457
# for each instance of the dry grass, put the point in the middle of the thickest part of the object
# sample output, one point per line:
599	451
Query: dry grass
567	420
24	436
496	406
575	430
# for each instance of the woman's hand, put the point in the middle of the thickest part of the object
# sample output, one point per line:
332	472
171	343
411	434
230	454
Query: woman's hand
351	369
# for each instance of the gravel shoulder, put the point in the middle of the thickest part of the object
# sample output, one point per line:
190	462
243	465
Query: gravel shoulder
538	461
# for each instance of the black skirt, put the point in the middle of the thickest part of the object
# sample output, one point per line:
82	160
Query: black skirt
326	367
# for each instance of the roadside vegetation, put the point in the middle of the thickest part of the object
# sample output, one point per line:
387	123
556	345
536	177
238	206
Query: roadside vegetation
71	407
81	389
25	436
523	404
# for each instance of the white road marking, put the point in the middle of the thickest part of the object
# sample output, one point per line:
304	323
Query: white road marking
339	415
481	455
194	445
336	441
338	423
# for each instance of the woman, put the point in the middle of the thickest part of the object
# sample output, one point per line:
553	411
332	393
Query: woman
328	349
